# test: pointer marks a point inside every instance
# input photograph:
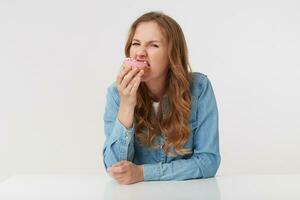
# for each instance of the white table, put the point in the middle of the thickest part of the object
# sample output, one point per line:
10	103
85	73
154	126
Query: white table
102	187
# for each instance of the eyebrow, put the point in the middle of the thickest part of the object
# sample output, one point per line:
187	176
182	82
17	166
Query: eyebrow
151	41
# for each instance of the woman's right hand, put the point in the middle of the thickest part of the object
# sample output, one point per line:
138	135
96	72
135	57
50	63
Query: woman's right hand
128	81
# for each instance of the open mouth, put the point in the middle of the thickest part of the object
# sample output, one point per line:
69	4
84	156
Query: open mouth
144	61
137	63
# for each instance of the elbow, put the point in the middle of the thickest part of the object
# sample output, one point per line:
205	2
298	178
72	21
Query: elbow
210	165
215	165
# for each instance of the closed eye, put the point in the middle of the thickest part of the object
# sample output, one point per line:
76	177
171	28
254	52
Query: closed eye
135	44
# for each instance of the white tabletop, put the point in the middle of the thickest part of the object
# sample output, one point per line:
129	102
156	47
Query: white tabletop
90	187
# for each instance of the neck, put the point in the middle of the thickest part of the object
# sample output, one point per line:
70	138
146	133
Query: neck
157	88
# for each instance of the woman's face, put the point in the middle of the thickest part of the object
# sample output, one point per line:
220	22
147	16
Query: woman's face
149	44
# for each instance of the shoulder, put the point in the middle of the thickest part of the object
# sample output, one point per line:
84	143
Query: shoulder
199	82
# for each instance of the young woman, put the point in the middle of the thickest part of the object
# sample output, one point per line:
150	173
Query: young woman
163	124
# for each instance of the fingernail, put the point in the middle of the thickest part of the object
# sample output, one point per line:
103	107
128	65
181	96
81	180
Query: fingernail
108	169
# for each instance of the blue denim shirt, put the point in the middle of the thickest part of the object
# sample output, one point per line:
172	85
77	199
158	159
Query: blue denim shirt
120	143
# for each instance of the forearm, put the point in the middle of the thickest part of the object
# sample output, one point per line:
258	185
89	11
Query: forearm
119	129
202	165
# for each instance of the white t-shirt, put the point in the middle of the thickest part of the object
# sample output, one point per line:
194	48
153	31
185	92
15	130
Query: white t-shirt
155	106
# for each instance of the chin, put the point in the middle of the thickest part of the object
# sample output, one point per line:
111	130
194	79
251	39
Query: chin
145	78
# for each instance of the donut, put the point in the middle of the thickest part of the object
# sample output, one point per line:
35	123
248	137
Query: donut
142	65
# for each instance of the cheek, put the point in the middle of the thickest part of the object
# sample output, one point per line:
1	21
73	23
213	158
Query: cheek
161	61
161	56
130	53
159	69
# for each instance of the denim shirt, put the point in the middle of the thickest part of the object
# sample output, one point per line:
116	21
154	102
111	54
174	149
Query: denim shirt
120	143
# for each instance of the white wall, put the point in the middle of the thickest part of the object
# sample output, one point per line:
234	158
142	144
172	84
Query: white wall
58	57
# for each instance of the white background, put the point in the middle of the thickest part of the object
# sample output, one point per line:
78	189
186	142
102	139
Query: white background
58	57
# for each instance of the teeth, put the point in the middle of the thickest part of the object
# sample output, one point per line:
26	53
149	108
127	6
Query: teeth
132	59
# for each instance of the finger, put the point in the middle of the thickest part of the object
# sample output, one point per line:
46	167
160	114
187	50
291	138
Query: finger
124	182
122	162
118	163
135	86
118	169
133	83
128	77
124	66
123	72
116	175
109	169
130	85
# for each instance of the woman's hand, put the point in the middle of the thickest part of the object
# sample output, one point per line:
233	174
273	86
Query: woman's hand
127	83
125	172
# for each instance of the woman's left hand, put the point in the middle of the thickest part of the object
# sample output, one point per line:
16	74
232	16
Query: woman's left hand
125	172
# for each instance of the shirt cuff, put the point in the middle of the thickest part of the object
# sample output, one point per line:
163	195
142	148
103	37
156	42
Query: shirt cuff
152	172
120	132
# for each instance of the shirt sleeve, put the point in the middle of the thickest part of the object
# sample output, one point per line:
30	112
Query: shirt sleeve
119	142
205	159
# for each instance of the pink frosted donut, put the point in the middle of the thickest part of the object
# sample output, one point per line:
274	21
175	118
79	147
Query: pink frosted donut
135	63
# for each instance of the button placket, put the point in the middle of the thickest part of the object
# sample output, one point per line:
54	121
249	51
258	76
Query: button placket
162	155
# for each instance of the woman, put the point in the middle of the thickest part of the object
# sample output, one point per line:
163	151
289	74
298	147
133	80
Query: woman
160	125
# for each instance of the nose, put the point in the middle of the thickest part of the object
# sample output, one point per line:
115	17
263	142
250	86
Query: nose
141	53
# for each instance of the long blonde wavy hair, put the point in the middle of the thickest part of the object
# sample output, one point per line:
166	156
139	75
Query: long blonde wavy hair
171	123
